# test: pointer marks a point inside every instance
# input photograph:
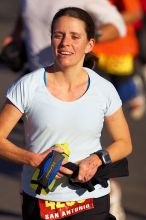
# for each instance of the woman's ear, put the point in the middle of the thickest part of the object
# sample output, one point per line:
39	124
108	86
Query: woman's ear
90	46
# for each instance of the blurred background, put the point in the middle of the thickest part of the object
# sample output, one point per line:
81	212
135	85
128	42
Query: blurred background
133	187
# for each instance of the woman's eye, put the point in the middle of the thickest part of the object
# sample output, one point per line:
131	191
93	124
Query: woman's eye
58	36
75	37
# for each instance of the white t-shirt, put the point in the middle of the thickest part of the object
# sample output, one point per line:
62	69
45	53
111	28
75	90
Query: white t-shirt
38	16
49	121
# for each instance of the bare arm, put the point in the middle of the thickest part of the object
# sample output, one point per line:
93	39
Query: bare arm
107	19
110	32
130	16
107	32
120	148
119	131
9	116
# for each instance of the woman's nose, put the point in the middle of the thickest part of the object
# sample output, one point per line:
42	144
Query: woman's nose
66	40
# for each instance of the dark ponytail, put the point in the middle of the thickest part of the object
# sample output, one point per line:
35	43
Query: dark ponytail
90	60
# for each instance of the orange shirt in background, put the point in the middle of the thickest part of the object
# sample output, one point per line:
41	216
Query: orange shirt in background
123	45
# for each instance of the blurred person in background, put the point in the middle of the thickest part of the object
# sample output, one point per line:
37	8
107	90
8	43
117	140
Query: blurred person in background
140	27
117	59
116	62
34	20
66	102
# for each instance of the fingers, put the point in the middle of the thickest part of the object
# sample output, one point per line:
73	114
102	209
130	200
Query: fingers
65	171
56	148
87	170
59	175
83	177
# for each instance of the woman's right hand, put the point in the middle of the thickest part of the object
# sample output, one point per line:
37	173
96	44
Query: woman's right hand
38	158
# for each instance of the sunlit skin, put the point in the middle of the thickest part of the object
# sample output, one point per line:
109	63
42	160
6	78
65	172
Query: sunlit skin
70	43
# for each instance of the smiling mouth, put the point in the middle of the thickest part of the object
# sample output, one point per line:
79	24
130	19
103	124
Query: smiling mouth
65	53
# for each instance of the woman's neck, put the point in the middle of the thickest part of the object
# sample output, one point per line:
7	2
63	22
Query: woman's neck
67	85
70	76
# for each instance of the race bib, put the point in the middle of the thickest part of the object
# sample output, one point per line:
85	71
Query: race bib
58	210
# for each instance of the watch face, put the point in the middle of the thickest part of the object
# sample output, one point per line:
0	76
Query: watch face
106	158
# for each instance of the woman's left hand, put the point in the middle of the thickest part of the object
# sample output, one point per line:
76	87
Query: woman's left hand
88	168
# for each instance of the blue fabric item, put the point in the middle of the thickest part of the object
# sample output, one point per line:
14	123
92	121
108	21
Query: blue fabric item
127	90
48	170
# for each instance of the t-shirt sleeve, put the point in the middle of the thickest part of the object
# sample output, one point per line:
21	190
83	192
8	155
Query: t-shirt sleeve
18	95
113	101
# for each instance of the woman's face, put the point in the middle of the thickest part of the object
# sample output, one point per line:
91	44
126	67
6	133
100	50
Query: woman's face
69	42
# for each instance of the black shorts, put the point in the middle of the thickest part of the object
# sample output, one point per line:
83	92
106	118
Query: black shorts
30	210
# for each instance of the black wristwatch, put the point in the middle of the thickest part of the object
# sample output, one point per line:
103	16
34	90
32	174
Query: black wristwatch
104	156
